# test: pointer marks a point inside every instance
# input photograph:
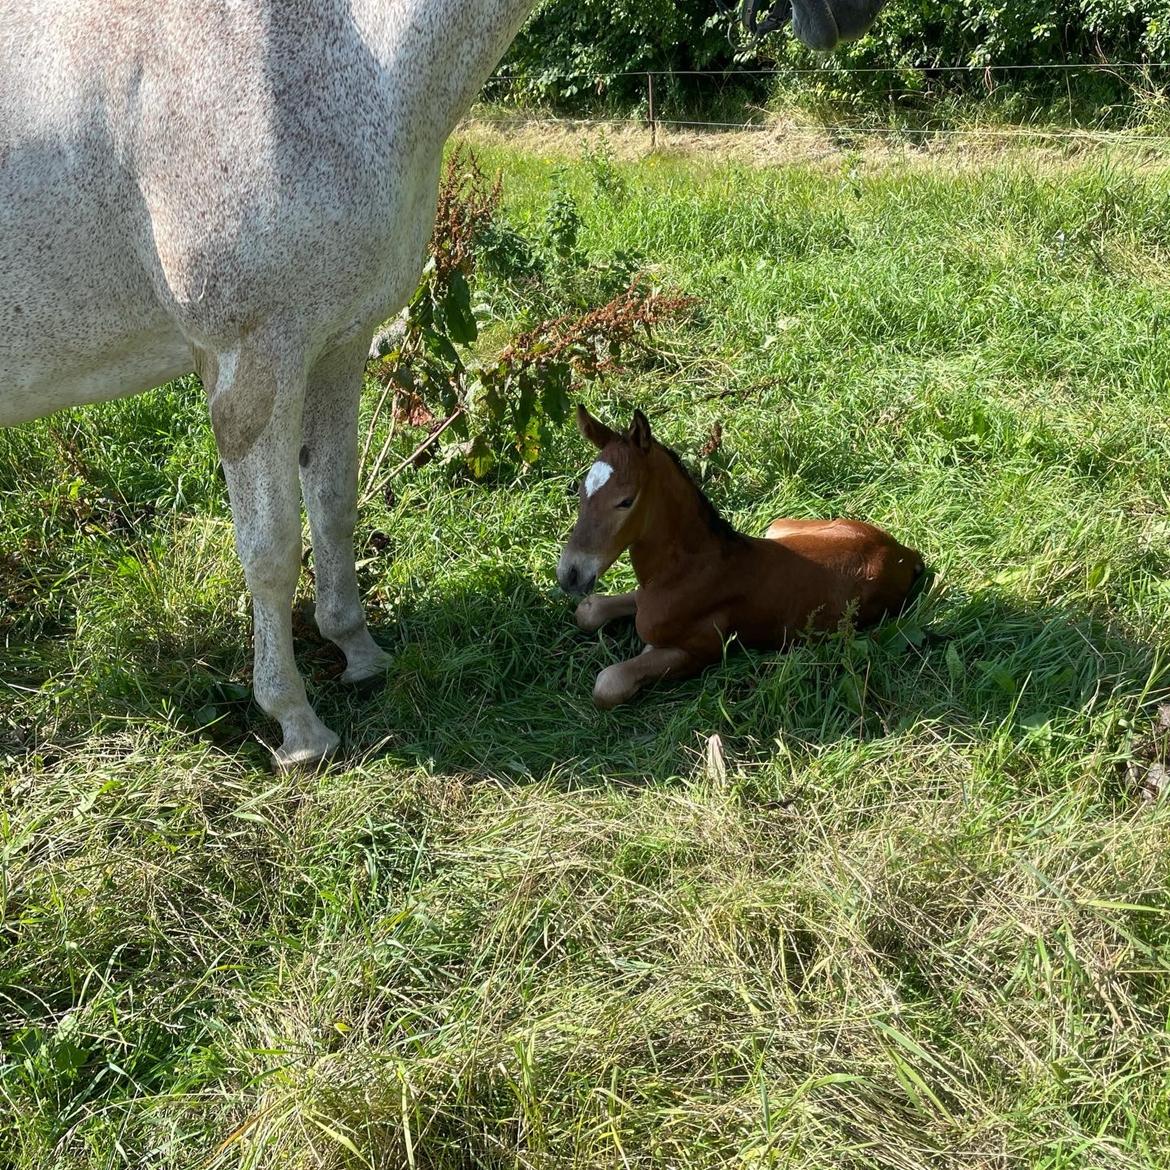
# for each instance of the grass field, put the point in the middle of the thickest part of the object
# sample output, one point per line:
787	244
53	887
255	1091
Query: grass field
914	914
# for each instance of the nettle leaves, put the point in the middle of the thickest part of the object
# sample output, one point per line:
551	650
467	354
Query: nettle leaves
451	314
499	410
492	411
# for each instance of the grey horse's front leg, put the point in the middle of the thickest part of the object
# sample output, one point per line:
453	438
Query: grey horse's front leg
328	461
257	395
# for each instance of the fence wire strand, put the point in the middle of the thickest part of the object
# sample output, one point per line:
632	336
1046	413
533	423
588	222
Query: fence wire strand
845	70
1088	135
1098	137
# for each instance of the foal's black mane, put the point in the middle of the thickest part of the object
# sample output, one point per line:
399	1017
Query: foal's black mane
707	510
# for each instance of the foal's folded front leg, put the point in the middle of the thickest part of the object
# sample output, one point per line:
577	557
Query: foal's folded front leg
599	608
622	681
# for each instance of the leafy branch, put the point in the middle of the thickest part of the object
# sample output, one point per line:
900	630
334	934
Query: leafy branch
500	410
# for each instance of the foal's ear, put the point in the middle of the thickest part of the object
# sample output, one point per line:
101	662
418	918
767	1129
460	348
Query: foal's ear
639	433
595	431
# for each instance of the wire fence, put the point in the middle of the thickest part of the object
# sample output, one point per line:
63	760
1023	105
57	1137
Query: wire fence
854	131
840	70
909	126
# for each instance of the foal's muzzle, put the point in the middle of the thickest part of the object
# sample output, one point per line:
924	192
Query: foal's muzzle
576	574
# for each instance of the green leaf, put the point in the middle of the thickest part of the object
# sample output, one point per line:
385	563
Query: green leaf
555	396
529	441
461	323
441	347
206	715
493	400
1037	728
524	410
404	377
480	458
997	673
852	693
913	633
955	667
68	1057
26	1042
422	306
473	394
1098	575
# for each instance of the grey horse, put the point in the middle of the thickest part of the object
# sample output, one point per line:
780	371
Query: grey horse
243	188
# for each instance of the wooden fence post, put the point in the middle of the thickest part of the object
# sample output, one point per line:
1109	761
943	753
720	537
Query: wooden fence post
653	123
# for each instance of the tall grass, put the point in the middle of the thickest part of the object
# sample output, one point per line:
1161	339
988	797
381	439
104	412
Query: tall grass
905	910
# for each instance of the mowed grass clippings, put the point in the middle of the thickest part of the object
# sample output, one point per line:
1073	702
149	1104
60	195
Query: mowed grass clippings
907	911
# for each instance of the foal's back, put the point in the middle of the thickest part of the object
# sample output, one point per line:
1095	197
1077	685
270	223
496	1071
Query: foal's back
811	573
827	565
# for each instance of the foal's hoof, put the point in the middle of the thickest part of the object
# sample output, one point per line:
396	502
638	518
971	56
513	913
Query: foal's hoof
610	690
588	615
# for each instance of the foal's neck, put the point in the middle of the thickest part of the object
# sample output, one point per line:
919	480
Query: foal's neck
681	525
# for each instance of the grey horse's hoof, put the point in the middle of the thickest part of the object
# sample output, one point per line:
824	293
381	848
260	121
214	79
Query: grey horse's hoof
306	750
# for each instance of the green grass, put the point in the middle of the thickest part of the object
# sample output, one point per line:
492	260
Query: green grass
914	918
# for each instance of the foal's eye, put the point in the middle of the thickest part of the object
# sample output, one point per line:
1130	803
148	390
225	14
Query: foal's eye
628	503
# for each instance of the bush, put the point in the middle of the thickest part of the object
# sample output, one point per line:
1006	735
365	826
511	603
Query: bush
575	54
501	411
572	53
916	42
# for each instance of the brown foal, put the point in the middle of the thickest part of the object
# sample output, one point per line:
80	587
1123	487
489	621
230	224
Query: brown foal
701	583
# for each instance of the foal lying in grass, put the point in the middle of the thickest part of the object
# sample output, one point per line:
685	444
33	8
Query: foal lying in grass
701	583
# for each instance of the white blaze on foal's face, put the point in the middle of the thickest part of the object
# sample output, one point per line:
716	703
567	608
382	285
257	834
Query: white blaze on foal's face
597	477
589	553
609	516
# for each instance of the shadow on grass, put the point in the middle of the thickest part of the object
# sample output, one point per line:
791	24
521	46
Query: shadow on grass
494	680
497	682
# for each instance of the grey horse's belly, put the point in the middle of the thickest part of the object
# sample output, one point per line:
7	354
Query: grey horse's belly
129	366
80	319
74	334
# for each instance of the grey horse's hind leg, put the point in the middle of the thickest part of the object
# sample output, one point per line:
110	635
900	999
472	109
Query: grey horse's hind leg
328	460
261	469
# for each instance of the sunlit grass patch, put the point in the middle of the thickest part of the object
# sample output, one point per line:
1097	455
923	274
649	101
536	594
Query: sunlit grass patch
906	910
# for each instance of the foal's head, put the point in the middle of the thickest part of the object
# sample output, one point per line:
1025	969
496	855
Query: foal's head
613	497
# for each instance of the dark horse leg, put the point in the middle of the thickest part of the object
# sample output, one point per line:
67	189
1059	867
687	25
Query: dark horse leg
622	681
599	608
